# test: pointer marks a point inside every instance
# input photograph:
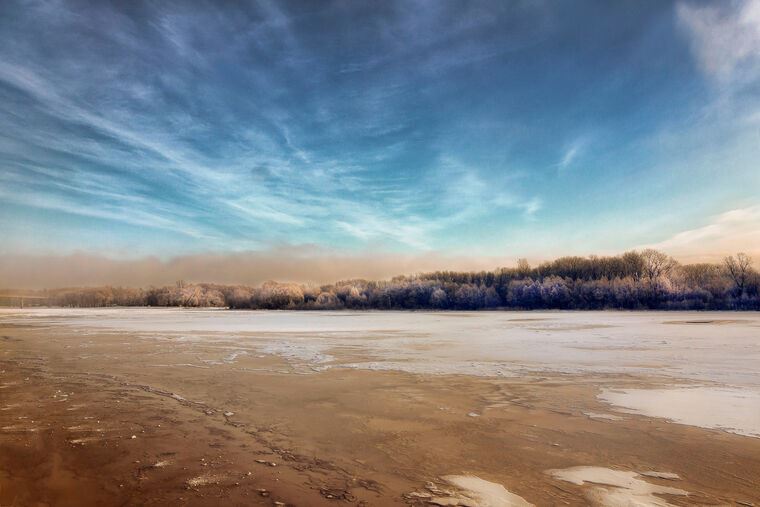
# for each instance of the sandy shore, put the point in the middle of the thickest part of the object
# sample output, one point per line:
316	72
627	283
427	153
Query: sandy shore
94	414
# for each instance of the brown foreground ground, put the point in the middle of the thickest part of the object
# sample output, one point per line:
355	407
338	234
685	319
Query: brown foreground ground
87	420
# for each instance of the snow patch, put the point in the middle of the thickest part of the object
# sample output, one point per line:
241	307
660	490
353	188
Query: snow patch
476	492
613	488
724	408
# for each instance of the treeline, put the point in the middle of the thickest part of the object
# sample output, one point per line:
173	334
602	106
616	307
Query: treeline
646	279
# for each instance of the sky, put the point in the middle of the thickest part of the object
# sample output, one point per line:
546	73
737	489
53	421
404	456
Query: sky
471	132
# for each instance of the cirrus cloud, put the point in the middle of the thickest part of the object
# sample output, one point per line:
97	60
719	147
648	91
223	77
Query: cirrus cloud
734	230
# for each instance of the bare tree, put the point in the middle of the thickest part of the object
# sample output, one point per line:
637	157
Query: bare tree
523	267
656	264
633	264
739	269
703	276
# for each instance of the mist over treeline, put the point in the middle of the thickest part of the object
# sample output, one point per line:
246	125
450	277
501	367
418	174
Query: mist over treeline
646	279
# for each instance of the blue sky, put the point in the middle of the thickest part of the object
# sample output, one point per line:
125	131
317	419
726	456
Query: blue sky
491	129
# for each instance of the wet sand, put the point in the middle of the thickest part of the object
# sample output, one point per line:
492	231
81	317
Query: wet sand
165	407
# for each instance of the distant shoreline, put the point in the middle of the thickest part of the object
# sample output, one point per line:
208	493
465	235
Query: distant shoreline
646	280
391	310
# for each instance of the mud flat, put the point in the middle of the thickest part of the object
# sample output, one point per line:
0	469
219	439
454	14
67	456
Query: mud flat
193	407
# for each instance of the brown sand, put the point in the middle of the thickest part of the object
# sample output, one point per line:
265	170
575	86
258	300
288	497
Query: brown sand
256	433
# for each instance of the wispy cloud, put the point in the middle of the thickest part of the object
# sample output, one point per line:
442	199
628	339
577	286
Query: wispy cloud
466	196
263	170
725	38
572	153
734	230
399	125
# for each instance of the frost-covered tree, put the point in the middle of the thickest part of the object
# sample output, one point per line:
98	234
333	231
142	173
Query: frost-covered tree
439	299
656	264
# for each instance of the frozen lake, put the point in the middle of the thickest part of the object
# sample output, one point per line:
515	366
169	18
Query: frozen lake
716	354
712	347
388	408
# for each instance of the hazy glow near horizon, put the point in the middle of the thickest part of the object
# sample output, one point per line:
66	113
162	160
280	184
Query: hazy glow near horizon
481	129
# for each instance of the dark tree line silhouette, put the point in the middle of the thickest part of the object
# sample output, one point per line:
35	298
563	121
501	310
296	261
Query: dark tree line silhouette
646	279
